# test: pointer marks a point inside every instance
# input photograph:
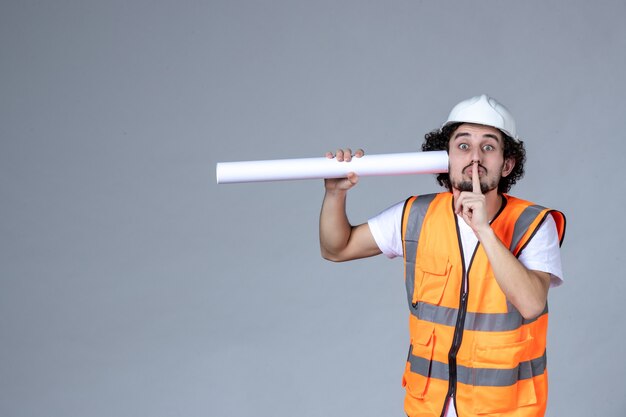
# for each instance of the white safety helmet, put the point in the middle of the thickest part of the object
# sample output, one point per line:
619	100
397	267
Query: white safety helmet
483	110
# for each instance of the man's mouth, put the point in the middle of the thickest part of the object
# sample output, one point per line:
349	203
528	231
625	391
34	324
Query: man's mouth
470	168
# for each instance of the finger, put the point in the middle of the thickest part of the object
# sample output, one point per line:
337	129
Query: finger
466	213
353	177
347	154
329	155
475	179
467	217
339	155
458	204
359	153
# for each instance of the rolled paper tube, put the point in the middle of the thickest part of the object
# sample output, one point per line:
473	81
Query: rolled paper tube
431	162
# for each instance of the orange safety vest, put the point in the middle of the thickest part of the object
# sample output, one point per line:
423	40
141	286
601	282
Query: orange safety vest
468	343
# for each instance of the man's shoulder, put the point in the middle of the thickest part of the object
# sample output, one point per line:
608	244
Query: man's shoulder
431	196
424	202
512	201
530	213
416	207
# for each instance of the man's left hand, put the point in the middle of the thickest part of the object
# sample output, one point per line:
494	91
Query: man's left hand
472	206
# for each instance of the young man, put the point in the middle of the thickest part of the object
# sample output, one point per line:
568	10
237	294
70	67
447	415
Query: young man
478	265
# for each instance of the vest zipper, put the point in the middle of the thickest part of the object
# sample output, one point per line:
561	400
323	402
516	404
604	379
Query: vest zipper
458	328
456	344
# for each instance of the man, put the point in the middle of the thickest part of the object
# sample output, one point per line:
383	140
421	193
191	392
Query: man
478	265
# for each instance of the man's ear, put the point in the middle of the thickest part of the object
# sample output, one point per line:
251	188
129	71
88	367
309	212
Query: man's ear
508	166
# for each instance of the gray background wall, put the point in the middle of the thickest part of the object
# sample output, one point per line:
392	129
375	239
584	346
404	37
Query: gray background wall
132	285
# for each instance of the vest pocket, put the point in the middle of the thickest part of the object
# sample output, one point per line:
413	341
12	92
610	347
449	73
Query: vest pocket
432	273
496	372
418	366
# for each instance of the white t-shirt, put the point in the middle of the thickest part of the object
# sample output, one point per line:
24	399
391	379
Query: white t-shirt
542	253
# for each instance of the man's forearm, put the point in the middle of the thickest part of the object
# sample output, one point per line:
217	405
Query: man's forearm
334	226
527	290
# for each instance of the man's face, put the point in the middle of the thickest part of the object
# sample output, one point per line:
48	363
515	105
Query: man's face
485	144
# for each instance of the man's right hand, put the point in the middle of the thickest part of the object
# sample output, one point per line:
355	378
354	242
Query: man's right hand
343	184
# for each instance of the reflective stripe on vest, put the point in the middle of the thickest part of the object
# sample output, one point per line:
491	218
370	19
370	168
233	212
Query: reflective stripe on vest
484	322
413	228
522	224
479	376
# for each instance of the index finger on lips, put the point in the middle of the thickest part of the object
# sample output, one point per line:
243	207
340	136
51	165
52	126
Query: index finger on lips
475	179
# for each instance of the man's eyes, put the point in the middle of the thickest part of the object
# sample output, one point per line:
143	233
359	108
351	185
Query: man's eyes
487	148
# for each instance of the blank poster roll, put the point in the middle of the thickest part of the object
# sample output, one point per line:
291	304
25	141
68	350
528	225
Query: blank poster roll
432	162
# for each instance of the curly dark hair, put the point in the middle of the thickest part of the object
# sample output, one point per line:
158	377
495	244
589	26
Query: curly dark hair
438	140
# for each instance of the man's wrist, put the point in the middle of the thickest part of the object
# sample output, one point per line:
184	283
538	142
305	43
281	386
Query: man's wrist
485	233
336	192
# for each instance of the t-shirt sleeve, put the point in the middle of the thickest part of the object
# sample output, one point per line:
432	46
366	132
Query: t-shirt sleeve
386	230
543	252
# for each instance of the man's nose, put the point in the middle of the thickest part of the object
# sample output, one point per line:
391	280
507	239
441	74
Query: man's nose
476	155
